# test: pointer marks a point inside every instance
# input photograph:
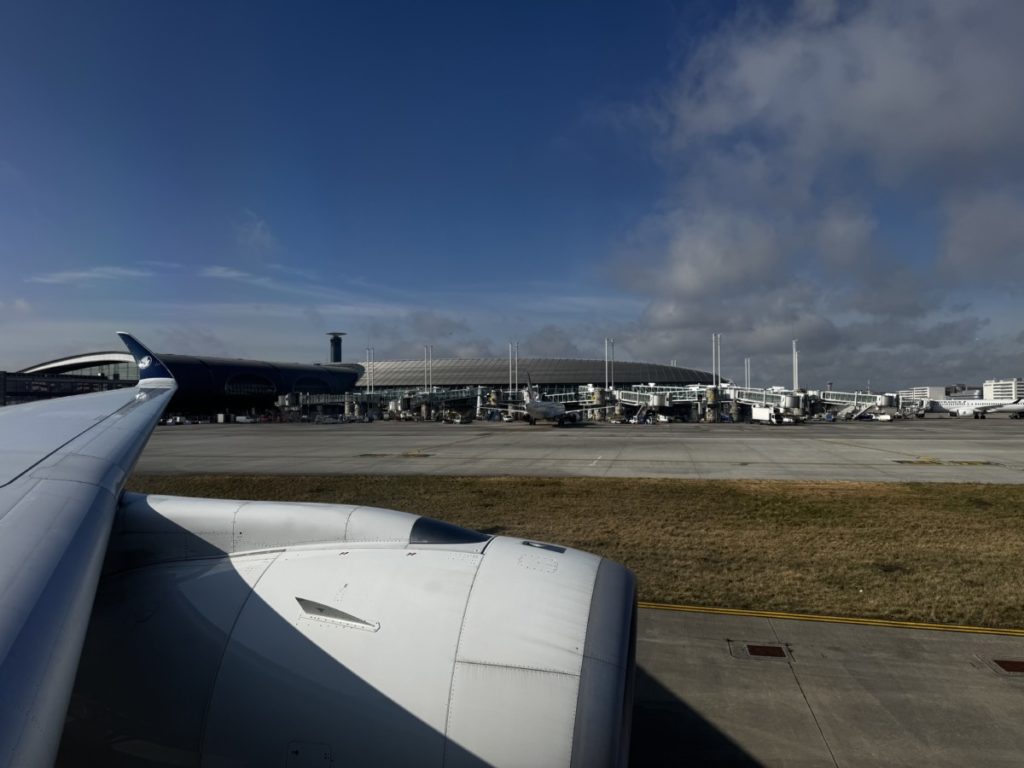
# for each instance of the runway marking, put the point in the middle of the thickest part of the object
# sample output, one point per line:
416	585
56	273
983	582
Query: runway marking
594	462
832	619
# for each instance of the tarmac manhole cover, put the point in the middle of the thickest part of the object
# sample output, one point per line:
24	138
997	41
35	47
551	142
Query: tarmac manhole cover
768	651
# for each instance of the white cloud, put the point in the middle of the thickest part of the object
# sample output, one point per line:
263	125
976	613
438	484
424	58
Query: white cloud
86	275
224	273
304	274
845	234
909	87
985	234
839	175
550	341
254	234
19	306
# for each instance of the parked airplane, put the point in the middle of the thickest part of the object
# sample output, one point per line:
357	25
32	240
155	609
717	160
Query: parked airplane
976	408
1015	409
539	409
535	408
250	633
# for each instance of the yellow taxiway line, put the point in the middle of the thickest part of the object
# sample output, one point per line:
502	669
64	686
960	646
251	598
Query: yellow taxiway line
833	619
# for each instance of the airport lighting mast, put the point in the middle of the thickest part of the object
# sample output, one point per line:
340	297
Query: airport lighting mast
613	362
606	363
369	368
796	367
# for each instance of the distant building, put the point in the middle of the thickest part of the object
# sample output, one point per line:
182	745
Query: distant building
963	391
923	393
1003	389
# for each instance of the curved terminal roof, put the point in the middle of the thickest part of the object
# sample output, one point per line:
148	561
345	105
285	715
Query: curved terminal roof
214	381
493	372
215	377
78	362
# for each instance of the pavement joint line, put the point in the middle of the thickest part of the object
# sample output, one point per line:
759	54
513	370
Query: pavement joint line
803	695
832	619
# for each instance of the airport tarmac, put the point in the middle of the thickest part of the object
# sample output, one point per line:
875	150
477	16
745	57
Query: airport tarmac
838	695
938	449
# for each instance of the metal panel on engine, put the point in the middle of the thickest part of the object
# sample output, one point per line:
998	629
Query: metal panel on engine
529	607
353	648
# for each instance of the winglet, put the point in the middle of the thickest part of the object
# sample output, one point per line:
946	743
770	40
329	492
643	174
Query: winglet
149	364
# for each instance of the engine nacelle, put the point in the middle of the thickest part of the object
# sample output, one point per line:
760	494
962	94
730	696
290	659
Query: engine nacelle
249	633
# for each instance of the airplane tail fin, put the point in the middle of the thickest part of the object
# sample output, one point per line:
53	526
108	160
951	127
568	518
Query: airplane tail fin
151	370
528	393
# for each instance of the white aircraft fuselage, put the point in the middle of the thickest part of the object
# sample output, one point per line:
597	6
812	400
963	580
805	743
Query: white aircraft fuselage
977	408
543	410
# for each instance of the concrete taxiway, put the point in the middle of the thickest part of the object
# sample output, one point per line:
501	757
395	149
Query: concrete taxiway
928	450
713	689
832	695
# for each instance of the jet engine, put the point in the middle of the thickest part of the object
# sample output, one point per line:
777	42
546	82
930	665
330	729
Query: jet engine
235	633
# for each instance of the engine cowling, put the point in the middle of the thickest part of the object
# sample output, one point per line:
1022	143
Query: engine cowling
250	633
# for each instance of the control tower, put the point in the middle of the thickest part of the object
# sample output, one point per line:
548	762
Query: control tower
336	345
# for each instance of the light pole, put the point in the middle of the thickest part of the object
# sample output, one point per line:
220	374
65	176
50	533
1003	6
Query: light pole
718	358
606	363
796	367
613	362
369	368
516	348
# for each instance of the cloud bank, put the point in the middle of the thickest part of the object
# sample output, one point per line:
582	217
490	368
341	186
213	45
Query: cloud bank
847	175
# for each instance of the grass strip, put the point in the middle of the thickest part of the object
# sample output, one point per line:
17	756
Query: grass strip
938	553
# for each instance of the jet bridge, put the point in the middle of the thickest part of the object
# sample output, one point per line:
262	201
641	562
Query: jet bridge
855	403
445	396
659	397
764	397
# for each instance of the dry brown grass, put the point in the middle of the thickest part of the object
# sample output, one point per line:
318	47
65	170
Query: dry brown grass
922	552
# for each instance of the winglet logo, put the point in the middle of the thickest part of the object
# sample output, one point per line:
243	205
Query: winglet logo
145	362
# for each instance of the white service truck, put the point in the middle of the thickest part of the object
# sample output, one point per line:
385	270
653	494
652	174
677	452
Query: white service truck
767	414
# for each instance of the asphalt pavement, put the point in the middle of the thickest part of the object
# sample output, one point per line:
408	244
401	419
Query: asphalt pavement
937	449
719	689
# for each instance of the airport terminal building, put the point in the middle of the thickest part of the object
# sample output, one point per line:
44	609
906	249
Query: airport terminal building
550	374
206	385
212	385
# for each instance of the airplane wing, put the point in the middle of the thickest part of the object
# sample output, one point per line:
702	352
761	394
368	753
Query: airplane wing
231	632
591	408
63	464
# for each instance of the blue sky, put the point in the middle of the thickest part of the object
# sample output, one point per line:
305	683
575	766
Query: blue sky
239	178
